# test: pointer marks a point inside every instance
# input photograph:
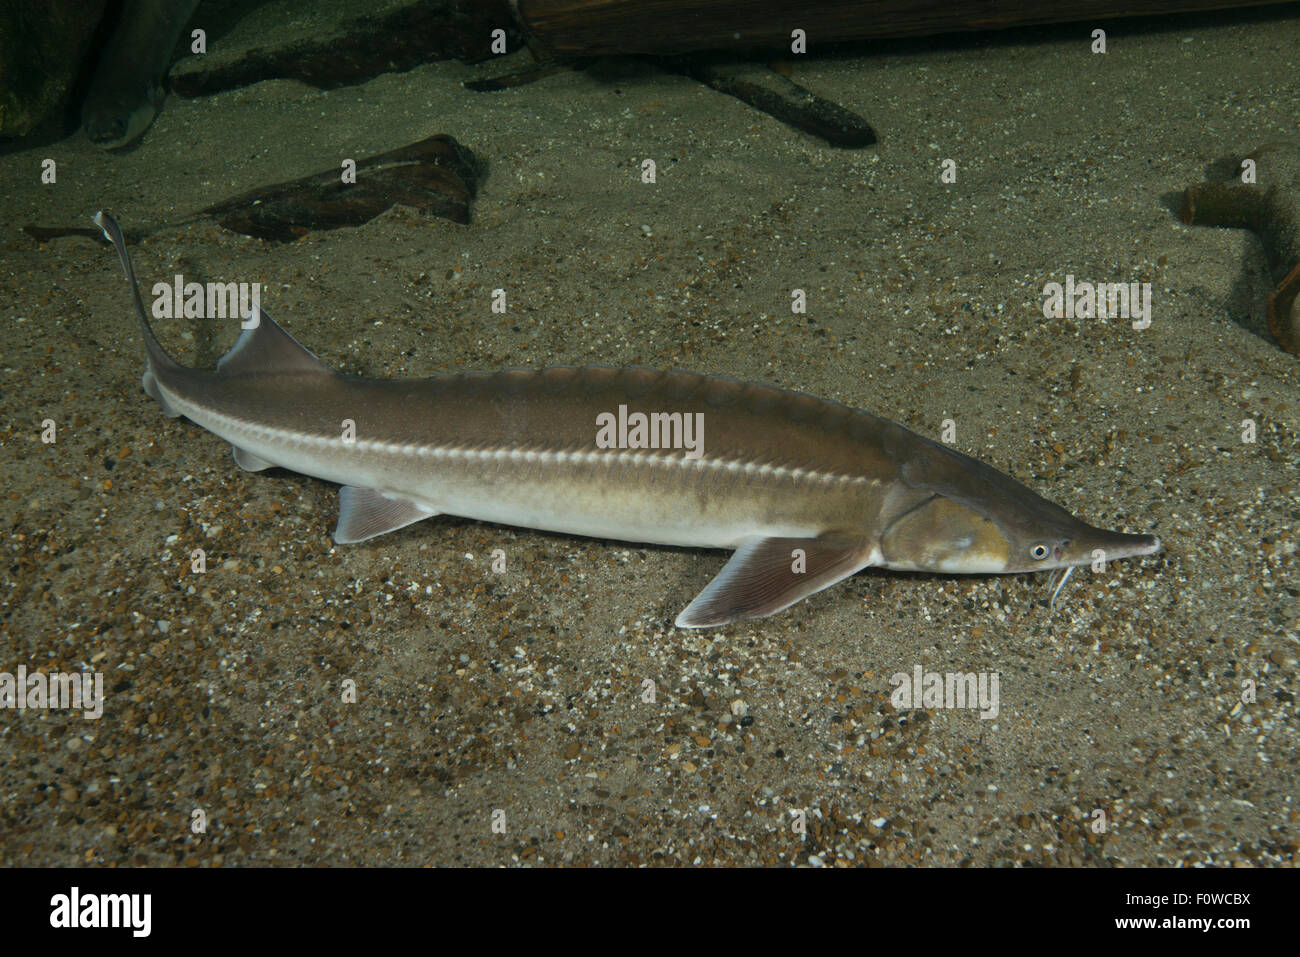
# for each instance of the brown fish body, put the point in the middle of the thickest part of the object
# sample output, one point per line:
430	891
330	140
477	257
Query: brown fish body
807	491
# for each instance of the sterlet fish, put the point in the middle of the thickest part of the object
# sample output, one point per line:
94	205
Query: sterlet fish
806	491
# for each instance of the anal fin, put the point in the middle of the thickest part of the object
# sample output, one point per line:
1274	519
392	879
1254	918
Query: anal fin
766	575
367	512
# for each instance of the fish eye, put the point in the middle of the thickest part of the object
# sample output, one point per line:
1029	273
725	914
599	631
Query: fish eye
1039	551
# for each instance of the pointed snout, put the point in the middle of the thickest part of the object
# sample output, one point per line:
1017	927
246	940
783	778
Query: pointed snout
1116	545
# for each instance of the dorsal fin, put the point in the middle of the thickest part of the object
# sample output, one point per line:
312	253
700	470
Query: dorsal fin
266	348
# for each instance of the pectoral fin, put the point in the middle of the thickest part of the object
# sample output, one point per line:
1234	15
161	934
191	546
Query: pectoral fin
366	512
766	575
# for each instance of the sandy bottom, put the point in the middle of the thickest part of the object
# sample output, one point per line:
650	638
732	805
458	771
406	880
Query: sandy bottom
519	698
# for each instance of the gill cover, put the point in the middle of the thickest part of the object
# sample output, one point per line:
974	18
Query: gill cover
942	535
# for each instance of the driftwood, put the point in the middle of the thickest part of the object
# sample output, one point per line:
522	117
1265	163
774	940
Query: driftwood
604	27
1270	208
435	176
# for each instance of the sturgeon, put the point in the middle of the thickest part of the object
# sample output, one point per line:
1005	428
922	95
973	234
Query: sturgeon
805	491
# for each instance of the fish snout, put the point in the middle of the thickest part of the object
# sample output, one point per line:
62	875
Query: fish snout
1100	545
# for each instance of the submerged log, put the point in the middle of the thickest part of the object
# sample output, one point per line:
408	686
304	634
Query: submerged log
436	176
604	27
1270	208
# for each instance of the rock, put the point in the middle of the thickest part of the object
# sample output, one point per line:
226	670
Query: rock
44	46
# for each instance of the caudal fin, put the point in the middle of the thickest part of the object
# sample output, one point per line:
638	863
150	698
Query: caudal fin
157	358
